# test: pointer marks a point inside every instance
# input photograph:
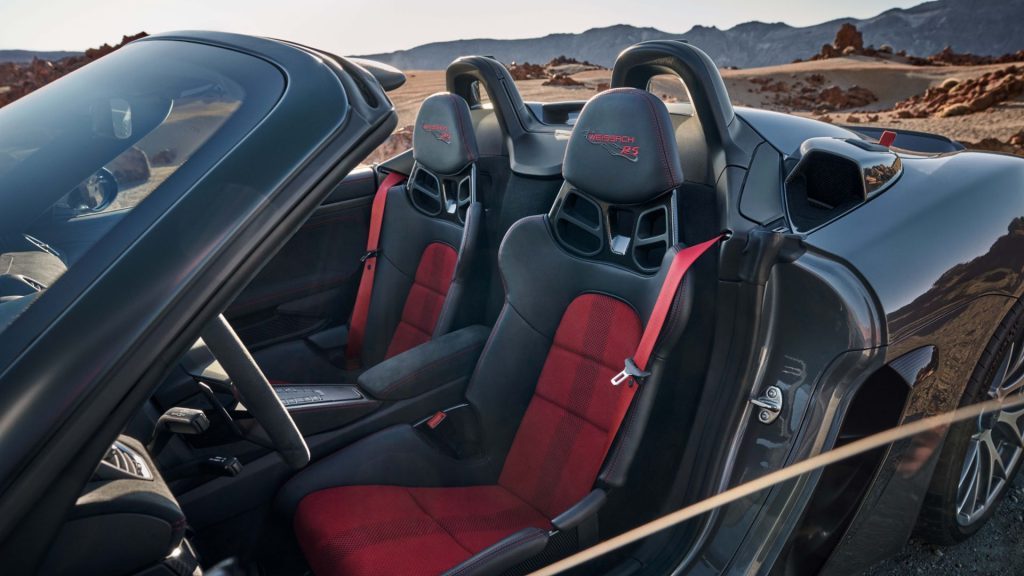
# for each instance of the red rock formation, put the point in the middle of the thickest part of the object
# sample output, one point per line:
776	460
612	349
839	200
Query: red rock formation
19	80
958	98
1014	145
835	98
563	60
398	142
562	80
848	42
527	71
806	93
947	57
848	37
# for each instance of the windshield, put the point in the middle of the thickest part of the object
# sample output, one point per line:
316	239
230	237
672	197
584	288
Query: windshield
77	156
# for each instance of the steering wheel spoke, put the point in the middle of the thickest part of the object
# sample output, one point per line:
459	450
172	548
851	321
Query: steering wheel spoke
256	393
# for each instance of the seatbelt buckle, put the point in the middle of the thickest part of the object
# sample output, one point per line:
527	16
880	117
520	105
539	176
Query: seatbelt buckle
631	370
369	254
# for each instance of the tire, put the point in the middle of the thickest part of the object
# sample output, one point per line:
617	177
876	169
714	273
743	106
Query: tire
941	521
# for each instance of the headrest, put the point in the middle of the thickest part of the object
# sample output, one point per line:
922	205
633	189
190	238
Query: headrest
443	140
623	148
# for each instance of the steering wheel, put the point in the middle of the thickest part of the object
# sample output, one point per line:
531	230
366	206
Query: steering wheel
256	392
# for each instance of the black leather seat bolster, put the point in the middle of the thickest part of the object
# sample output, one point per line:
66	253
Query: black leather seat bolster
581	511
467	254
444	359
498	557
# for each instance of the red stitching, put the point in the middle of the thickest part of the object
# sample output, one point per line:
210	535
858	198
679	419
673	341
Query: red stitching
462	130
646	97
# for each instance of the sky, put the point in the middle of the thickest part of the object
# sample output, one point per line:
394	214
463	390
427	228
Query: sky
370	26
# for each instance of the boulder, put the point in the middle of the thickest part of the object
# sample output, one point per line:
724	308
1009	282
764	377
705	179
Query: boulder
836	98
956	97
527	71
955	110
562	80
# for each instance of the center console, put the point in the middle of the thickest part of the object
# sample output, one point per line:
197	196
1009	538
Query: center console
319	407
299	396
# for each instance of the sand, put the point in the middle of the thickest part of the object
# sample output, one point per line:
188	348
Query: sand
891	81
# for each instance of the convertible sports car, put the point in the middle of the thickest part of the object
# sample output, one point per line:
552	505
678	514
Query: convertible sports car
225	342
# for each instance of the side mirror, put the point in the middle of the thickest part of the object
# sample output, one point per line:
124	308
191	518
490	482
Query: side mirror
93	195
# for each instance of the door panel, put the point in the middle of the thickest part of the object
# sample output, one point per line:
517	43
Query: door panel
311	283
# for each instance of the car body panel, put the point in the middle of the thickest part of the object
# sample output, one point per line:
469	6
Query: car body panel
962	241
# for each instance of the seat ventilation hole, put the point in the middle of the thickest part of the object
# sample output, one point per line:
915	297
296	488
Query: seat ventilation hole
464	196
578	224
651	239
425	192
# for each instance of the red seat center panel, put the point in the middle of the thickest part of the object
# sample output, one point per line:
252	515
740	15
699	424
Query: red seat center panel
426	298
574	413
385	530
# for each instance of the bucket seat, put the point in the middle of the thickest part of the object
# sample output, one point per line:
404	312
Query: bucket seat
555	433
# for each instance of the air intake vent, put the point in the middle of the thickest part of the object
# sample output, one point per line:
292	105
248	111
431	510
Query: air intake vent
122	462
834	176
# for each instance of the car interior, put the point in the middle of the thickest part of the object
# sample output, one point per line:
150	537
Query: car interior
444	332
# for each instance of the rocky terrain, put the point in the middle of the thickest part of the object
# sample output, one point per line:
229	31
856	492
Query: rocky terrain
558	72
26	56
978	100
20	78
980	27
996	549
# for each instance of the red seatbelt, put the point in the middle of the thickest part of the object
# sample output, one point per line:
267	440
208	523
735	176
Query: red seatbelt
636	367
357	325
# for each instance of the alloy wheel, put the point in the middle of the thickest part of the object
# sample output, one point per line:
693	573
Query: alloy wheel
997	444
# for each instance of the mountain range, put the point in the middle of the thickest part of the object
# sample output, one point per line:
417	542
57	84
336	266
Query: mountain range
988	27
26	56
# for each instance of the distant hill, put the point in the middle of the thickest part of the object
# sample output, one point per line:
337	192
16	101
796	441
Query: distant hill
977	26
26	56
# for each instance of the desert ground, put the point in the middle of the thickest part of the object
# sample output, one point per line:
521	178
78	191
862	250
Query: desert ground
886	81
